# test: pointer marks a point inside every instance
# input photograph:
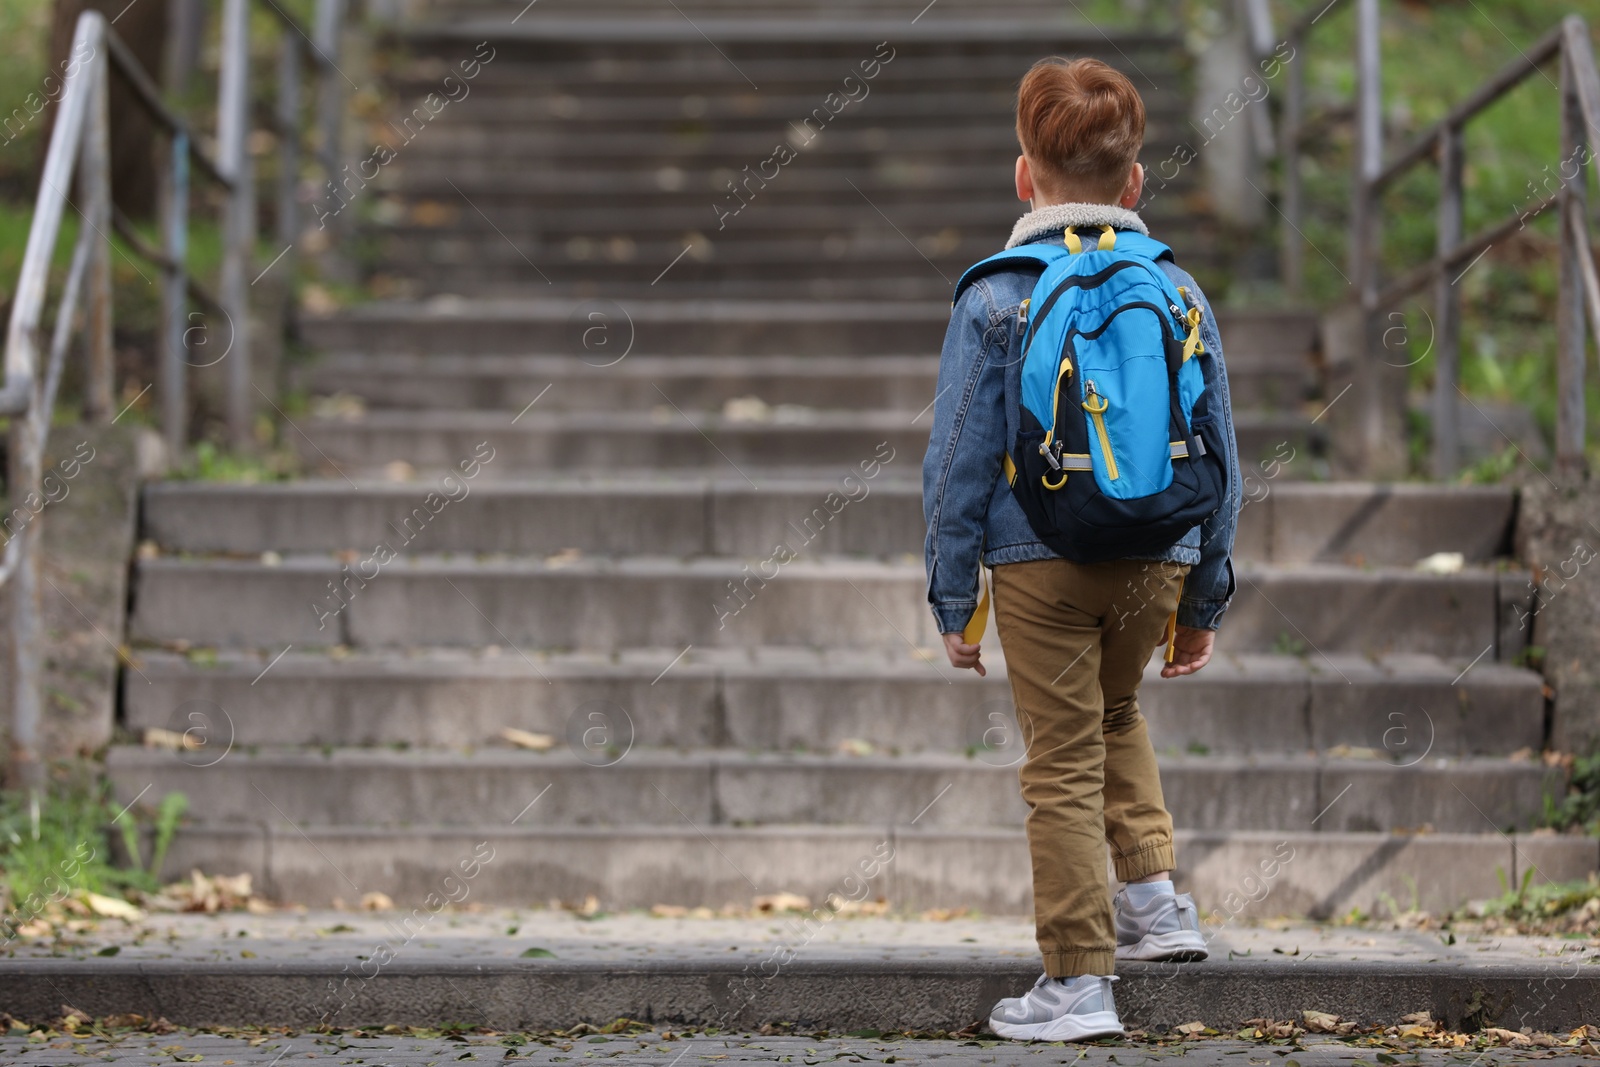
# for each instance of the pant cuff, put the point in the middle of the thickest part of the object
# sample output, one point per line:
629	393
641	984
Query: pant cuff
1059	963
1150	859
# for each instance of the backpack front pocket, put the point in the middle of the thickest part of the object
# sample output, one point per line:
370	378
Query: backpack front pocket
1126	415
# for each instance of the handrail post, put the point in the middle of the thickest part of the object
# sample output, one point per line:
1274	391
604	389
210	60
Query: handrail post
1368	155
1447	309
174	372
1258	32
233	129
1364	250
24	456
288	221
1294	105
330	114
94	179
1570	316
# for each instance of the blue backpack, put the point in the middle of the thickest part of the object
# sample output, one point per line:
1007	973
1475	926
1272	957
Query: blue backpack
1118	452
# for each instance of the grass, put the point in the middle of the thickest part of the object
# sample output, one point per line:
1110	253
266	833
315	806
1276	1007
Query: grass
1548	907
60	847
211	463
1579	808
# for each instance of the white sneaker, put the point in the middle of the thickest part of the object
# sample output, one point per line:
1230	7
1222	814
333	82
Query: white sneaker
1059	1009
1168	928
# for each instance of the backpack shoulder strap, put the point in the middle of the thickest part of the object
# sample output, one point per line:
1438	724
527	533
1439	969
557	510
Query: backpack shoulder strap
1038	254
1135	243
1043	254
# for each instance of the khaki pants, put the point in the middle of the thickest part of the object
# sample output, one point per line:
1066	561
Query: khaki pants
1077	638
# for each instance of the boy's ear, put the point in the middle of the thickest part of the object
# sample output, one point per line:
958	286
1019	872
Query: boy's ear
1024	179
1132	191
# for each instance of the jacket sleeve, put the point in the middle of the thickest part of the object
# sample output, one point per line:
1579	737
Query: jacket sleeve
1210	585
965	447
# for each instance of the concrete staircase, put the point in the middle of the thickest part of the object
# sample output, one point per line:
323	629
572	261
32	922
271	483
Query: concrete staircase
585	420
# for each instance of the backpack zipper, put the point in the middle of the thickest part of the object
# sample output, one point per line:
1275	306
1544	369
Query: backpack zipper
1098	415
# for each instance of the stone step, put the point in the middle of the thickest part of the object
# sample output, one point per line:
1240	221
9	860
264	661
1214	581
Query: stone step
428	12
781	999
567	325
695	78
585	106
687	265
670	438
711	239
803	328
629	281
1402	708
691	181
596	788
522	863
609	604
734	149
740	36
421	193
1256	342
706	383
627	272
422	13
1281	521
900	140
784	223
701	383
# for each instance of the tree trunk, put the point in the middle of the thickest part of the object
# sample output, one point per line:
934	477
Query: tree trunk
143	28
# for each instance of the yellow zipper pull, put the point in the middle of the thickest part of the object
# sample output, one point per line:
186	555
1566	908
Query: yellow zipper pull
1097	413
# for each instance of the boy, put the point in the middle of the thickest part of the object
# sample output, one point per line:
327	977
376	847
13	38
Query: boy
1077	636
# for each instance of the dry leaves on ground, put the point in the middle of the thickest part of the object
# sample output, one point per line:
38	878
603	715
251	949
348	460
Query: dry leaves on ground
1321	1022
210	894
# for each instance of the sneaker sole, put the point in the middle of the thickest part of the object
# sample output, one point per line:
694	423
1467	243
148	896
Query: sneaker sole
1084	1027
1182	946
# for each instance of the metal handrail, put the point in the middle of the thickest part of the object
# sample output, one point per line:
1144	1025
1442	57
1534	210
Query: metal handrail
80	146
1442	144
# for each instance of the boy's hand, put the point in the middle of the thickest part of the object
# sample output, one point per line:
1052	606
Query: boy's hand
1191	650
963	655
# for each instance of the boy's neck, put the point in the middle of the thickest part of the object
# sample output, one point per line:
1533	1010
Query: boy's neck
1038	204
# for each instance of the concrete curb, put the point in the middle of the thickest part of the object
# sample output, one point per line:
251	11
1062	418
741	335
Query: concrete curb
832	995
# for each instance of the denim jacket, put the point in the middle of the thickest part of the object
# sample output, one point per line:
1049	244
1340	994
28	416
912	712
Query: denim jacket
969	507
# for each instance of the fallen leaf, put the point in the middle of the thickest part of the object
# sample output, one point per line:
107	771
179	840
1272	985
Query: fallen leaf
1506	1037
772	903
524	739
112	908
155	737
746	409
376	901
1321	1022
1442	563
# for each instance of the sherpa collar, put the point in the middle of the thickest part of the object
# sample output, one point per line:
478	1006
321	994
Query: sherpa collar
1057	217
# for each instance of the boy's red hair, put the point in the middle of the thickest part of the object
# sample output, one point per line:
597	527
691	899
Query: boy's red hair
1081	124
